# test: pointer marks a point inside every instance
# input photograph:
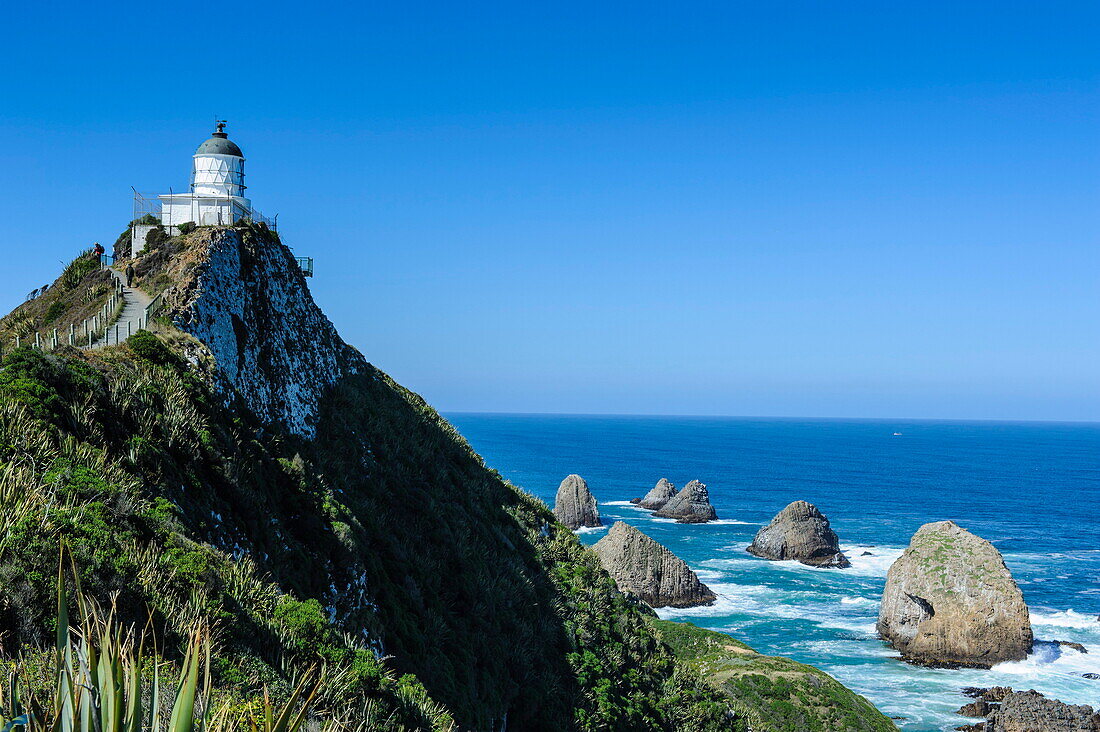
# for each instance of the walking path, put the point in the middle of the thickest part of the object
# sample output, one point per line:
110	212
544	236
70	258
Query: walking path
133	315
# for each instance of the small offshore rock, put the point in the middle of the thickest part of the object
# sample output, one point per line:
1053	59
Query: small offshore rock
1090	675
658	496
575	506
800	532
950	601
866	554
690	506
1030	711
1071	644
644	568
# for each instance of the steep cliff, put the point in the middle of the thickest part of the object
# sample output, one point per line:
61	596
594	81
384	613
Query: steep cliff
246	466
243	467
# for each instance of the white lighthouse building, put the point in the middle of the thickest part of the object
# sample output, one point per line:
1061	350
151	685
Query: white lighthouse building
216	194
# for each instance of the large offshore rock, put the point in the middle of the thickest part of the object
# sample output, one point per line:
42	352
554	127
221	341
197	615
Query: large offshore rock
799	532
575	506
644	568
658	496
690	506
951	601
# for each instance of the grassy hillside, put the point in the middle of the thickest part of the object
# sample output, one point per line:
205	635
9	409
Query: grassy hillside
775	694
379	547
384	547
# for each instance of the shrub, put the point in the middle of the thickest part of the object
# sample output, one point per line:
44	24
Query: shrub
56	309
147	346
186	227
78	269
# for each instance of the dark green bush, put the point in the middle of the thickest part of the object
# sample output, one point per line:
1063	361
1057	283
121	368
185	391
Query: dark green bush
56	309
147	346
78	269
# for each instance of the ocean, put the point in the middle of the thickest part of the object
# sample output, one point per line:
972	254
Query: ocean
1032	489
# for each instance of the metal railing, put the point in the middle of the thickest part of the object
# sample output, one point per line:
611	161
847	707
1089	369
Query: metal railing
148	208
306	265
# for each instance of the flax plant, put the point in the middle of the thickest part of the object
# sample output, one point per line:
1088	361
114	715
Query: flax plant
104	681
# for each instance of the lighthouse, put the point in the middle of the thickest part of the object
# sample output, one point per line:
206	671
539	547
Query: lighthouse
215	196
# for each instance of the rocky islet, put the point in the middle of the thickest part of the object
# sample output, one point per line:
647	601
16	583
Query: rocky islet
646	569
802	533
950	601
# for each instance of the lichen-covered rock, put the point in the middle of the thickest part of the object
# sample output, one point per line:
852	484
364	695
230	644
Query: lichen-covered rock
658	496
246	300
644	568
799	532
951	601
575	506
690	506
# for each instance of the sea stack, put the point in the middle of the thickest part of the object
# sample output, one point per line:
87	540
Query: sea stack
644	568
690	506
658	496
951	601
575	506
800	532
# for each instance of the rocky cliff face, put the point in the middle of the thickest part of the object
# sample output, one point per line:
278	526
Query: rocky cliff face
800	532
646	569
247	301
951	601
690	506
658	496
574	505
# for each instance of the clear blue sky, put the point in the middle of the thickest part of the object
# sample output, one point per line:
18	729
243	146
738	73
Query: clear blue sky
801	208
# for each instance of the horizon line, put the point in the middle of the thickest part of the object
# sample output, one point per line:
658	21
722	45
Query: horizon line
643	415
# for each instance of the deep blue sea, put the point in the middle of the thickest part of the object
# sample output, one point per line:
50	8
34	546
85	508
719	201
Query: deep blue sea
1033	489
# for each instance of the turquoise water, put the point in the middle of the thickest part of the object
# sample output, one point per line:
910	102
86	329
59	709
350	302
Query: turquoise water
1033	489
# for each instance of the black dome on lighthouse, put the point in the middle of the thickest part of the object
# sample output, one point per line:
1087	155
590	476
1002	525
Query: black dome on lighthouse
219	144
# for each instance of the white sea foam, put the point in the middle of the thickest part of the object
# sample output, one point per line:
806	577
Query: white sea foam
728	522
1065	619
619	503
860	601
590	529
771	603
709	575
875	565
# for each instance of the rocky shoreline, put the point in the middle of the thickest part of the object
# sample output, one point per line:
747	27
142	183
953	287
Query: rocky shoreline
949	600
1006	710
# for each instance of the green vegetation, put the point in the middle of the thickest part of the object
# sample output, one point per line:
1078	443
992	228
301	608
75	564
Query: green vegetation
125	459
465	581
382	550
78	293
102	678
776	694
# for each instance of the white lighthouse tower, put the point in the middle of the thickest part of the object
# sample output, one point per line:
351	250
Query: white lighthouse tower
215	196
217	186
